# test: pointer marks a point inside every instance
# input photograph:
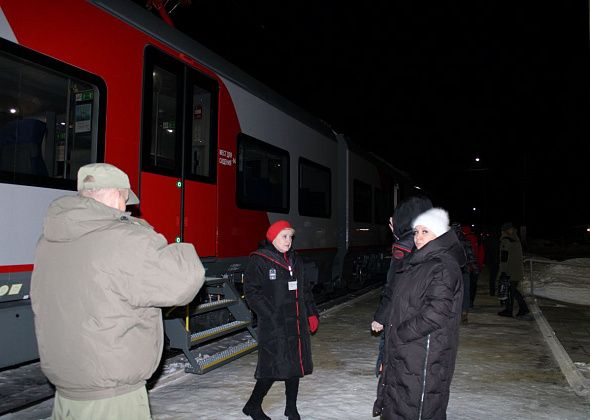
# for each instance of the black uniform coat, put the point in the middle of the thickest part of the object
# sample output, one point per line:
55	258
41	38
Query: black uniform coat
423	333
284	345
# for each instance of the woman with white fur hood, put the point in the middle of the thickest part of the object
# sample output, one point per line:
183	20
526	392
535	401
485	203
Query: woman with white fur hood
423	330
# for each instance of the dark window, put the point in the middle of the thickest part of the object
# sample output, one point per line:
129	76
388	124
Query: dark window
362	202
314	189
174	114
383	206
262	176
202	128
51	119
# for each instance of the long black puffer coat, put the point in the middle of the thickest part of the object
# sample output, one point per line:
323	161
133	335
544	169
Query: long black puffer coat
423	333
284	345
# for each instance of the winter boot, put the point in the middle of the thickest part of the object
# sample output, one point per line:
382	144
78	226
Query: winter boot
291	391
253	407
505	312
254	411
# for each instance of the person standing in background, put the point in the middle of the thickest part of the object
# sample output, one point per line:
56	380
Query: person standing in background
478	253
511	266
470	265
99	280
491	244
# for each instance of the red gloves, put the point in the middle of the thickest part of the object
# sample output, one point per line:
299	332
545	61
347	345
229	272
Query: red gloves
313	323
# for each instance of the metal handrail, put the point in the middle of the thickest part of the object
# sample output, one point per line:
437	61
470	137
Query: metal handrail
531	260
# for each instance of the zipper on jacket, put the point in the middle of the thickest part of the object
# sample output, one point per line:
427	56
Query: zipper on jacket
424	376
296	316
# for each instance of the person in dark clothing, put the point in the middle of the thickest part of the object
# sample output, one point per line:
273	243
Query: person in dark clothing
403	244
278	291
466	270
422	334
511	266
492	251
474	271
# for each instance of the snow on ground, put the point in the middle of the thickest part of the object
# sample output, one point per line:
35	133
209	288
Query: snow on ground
566	281
504	369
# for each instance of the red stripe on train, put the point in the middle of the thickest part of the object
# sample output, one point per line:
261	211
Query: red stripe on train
16	268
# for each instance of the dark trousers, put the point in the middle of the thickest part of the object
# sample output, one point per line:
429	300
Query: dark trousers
263	385
473	277
466	289
492	280
515	294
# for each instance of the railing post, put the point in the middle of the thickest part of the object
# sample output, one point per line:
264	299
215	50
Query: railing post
531	277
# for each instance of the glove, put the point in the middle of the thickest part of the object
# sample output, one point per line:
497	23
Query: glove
313	323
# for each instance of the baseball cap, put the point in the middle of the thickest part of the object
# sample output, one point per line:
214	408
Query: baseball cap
103	175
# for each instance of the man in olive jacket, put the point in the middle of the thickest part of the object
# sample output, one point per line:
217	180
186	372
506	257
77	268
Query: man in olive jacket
99	279
511	266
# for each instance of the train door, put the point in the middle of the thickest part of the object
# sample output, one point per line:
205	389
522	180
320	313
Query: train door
179	140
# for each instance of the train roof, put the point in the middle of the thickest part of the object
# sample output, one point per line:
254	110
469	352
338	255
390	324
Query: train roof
145	21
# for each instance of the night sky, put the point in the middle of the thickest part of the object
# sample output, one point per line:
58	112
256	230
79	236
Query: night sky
431	85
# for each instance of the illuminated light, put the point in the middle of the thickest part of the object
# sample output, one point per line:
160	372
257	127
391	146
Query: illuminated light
477	159
177	239
362	229
588	230
13	110
417	187
62	123
170	130
179	184
474	209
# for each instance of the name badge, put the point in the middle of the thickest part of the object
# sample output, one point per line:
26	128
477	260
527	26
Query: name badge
272	274
293	285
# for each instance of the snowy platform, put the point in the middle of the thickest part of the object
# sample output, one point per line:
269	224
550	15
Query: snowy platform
505	369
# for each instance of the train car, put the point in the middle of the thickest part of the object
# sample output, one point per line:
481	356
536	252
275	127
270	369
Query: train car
214	155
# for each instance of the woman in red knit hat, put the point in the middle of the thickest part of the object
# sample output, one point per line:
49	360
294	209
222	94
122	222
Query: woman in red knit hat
278	292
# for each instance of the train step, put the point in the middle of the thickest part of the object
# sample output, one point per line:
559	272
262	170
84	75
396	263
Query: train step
214	305
211	333
221	312
204	365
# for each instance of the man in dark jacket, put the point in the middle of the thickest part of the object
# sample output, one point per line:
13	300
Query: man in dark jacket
403	244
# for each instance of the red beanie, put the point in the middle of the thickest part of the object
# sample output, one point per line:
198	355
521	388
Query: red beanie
276	228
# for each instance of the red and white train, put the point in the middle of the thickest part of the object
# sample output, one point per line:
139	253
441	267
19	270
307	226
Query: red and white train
214	155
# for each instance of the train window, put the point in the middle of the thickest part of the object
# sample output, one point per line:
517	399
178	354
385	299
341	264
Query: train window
383	206
262	176
180	105
51	119
162	124
202	130
362	202
314	189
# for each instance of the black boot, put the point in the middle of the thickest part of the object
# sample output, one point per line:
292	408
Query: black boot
505	312
291	391
255	411
253	407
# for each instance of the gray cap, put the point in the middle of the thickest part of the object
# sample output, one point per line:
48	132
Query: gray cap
103	175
